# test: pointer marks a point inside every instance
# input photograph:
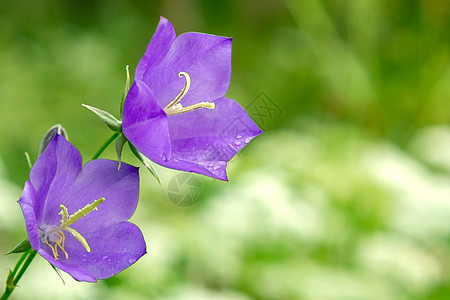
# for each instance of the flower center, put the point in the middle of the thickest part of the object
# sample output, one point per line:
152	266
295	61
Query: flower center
174	107
54	234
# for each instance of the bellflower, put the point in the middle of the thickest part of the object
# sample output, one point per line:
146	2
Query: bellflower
76	217
175	112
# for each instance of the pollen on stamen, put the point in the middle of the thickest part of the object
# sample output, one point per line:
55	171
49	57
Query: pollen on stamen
58	243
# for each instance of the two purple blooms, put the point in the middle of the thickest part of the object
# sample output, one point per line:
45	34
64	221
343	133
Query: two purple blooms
174	114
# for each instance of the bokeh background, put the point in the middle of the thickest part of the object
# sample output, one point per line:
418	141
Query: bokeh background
345	196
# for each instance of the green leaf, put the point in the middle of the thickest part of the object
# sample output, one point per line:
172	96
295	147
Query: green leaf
144	160
120	142
21	247
58	271
106	117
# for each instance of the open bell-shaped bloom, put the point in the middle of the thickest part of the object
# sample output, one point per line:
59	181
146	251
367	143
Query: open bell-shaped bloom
76	217
175	112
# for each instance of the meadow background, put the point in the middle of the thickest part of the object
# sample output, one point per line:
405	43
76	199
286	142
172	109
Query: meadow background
345	196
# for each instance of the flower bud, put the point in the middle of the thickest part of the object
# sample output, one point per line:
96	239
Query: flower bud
49	135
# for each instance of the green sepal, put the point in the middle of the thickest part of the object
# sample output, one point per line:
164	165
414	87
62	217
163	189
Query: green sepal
126	89
145	161
58	271
106	117
28	158
120	142
21	247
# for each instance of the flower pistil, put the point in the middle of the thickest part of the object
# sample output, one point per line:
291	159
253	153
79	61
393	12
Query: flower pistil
175	107
53	234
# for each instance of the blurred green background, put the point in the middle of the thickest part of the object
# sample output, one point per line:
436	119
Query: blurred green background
345	196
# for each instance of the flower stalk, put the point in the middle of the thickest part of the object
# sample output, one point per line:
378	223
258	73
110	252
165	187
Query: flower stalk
105	145
20	268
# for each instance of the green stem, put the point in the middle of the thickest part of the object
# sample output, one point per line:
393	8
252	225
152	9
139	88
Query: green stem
104	146
30	254
25	266
20	261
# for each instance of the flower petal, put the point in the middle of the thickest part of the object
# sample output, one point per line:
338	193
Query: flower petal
27	202
204	140
145	123
206	58
113	248
157	49
76	271
100	178
52	174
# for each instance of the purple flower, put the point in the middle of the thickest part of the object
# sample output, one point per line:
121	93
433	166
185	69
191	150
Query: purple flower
176	113
76	217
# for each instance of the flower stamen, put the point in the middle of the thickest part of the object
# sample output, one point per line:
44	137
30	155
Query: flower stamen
175	107
60	243
67	220
54	250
